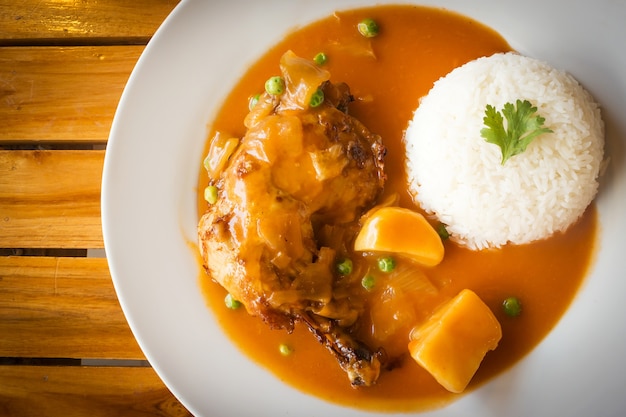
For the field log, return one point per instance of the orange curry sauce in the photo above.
(415, 47)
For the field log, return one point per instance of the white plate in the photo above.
(149, 209)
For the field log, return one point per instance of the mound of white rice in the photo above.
(458, 176)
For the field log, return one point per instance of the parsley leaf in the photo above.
(522, 126)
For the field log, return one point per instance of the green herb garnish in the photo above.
(522, 126)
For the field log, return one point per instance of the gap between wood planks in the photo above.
(52, 146)
(74, 362)
(95, 41)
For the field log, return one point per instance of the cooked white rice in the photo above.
(458, 176)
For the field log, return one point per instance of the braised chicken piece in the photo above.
(289, 196)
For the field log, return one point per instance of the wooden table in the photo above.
(65, 346)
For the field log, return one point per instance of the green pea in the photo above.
(386, 264)
(285, 349)
(442, 231)
(344, 267)
(320, 58)
(231, 302)
(317, 98)
(512, 306)
(253, 101)
(275, 85)
(368, 282)
(210, 194)
(368, 28)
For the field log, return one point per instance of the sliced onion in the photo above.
(302, 78)
(221, 148)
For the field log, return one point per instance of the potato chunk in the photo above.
(452, 343)
(403, 231)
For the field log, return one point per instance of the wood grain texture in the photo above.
(61, 308)
(50, 199)
(35, 391)
(62, 94)
(63, 67)
(110, 21)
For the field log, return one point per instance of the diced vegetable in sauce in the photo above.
(344, 267)
(275, 86)
(512, 306)
(210, 194)
(317, 98)
(231, 302)
(368, 282)
(453, 342)
(285, 349)
(320, 58)
(368, 28)
(253, 101)
(386, 264)
(419, 240)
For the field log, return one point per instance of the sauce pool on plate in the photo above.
(387, 75)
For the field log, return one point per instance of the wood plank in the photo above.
(50, 21)
(61, 308)
(50, 199)
(34, 391)
(62, 93)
